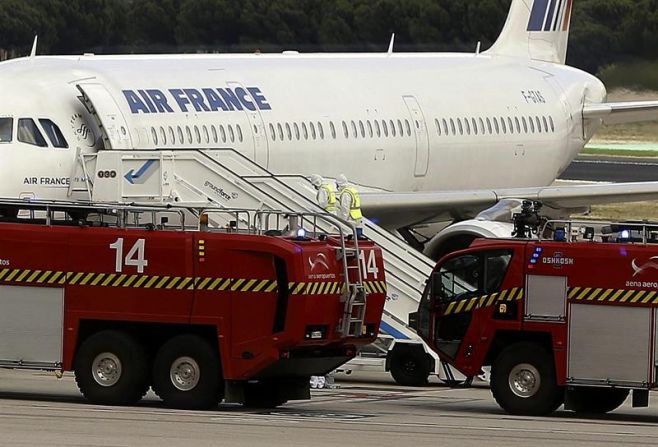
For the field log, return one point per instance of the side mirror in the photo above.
(413, 320)
(436, 285)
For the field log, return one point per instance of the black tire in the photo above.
(187, 374)
(111, 368)
(410, 367)
(523, 381)
(596, 400)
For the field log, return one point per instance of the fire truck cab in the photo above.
(569, 317)
(135, 298)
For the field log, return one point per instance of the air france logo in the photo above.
(196, 100)
(550, 15)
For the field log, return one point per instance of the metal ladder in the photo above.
(354, 297)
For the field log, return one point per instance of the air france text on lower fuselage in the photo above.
(196, 100)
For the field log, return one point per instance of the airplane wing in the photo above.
(622, 112)
(397, 210)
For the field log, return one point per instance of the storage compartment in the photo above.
(545, 297)
(609, 344)
(31, 325)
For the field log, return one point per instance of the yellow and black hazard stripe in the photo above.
(479, 302)
(375, 286)
(625, 296)
(58, 278)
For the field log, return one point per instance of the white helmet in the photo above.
(316, 180)
(341, 181)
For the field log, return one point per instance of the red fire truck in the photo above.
(568, 320)
(129, 300)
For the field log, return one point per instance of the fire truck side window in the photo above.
(460, 277)
(496, 268)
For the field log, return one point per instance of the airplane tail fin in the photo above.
(536, 29)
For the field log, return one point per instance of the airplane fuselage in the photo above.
(398, 122)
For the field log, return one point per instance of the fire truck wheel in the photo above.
(523, 381)
(111, 369)
(596, 400)
(187, 374)
(410, 367)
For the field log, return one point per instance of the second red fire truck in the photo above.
(129, 301)
(568, 320)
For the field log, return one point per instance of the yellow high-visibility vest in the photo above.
(331, 196)
(355, 205)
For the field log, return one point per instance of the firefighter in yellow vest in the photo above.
(349, 204)
(326, 196)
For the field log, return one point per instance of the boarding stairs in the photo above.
(225, 178)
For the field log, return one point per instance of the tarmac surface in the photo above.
(367, 410)
(612, 169)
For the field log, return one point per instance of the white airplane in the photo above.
(432, 136)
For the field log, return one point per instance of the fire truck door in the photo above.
(454, 287)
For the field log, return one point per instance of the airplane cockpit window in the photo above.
(54, 134)
(29, 133)
(6, 129)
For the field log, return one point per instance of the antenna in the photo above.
(34, 47)
(477, 49)
(390, 45)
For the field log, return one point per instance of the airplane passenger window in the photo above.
(406, 122)
(532, 124)
(445, 127)
(231, 134)
(510, 124)
(206, 135)
(452, 126)
(354, 133)
(52, 131)
(288, 132)
(461, 128)
(545, 124)
(489, 126)
(188, 132)
(362, 129)
(197, 134)
(313, 134)
(279, 127)
(180, 135)
(295, 126)
(525, 124)
(154, 134)
(538, 124)
(222, 133)
(163, 135)
(481, 121)
(29, 133)
(6, 129)
(475, 126)
(345, 131)
(320, 130)
(385, 128)
(370, 131)
(503, 125)
(550, 119)
(172, 135)
(438, 126)
(392, 124)
(213, 131)
(400, 129)
(496, 126)
(378, 129)
(468, 126)
(518, 124)
(333, 129)
(305, 130)
(272, 132)
(239, 130)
